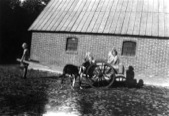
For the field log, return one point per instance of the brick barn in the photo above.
(138, 29)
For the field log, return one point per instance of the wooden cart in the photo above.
(102, 75)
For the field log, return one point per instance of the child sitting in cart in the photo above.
(114, 60)
(87, 62)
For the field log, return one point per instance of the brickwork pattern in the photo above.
(152, 54)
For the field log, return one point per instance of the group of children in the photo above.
(113, 59)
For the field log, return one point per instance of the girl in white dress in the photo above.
(113, 59)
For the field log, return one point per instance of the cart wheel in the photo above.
(100, 75)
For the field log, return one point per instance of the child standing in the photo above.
(25, 57)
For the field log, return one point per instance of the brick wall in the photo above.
(151, 59)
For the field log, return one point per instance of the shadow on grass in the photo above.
(32, 104)
(129, 81)
(23, 96)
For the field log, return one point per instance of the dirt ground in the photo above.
(41, 95)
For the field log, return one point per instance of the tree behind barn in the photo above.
(16, 16)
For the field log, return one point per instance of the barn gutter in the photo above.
(105, 34)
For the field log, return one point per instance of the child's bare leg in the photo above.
(80, 83)
(25, 69)
(73, 83)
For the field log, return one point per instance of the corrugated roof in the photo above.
(129, 17)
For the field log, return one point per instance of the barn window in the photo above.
(71, 44)
(129, 48)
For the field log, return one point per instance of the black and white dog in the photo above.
(71, 71)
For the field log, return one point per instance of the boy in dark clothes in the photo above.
(87, 62)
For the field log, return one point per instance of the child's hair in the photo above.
(114, 51)
(24, 45)
(88, 54)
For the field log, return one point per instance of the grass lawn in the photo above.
(18, 95)
(41, 92)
